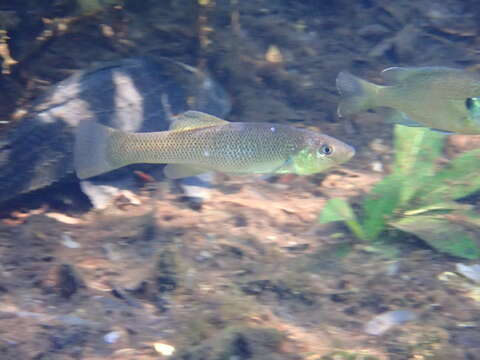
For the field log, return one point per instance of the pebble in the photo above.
(471, 272)
(198, 188)
(383, 322)
(69, 242)
(164, 349)
(111, 337)
(203, 255)
(377, 166)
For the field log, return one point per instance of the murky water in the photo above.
(130, 265)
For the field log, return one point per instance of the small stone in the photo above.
(164, 349)
(383, 322)
(376, 166)
(203, 255)
(471, 272)
(274, 55)
(112, 337)
(69, 242)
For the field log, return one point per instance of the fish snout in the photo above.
(350, 151)
(345, 153)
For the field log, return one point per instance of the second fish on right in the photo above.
(441, 98)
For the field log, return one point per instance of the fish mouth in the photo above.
(348, 152)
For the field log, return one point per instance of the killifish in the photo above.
(440, 98)
(199, 142)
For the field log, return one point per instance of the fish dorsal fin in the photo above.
(194, 120)
(395, 74)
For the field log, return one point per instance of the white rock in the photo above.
(69, 242)
(112, 337)
(164, 349)
(471, 272)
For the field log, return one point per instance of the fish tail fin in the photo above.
(357, 94)
(93, 149)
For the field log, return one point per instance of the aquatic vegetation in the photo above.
(419, 197)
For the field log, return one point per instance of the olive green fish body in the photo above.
(436, 97)
(234, 147)
(199, 142)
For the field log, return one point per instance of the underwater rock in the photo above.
(383, 322)
(135, 94)
(471, 272)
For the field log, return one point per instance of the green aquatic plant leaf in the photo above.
(416, 152)
(446, 233)
(380, 204)
(459, 179)
(337, 209)
(419, 198)
(438, 207)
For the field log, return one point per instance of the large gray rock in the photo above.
(135, 94)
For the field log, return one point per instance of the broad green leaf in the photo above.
(379, 205)
(416, 152)
(459, 179)
(336, 209)
(444, 234)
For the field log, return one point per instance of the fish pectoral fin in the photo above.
(178, 171)
(398, 117)
(285, 168)
(194, 120)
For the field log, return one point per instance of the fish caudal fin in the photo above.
(357, 94)
(92, 154)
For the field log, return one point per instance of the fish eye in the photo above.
(325, 150)
(469, 103)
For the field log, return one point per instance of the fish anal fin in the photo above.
(178, 171)
(194, 120)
